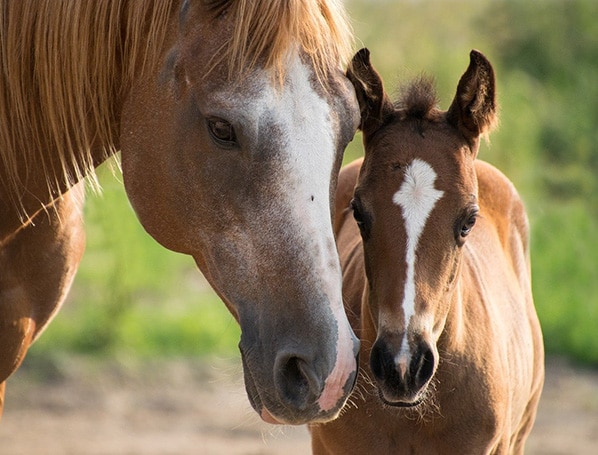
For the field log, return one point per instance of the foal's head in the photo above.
(415, 204)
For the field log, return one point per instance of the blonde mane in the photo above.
(64, 64)
(268, 30)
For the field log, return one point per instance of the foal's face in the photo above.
(416, 204)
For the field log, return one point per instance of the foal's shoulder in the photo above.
(495, 187)
(500, 201)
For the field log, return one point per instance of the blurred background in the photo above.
(143, 356)
(134, 299)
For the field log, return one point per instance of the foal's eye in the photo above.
(468, 226)
(360, 218)
(222, 132)
(357, 213)
(467, 223)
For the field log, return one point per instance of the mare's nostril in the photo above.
(296, 383)
(295, 380)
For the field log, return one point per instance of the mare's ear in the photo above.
(473, 110)
(373, 101)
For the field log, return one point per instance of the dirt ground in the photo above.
(186, 408)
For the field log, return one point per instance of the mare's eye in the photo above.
(222, 132)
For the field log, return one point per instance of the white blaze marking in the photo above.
(305, 123)
(416, 197)
(313, 153)
(311, 135)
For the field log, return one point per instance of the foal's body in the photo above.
(491, 390)
(483, 395)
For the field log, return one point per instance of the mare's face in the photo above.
(416, 203)
(240, 175)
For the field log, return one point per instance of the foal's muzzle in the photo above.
(402, 377)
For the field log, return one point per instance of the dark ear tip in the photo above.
(359, 64)
(477, 57)
(362, 57)
(475, 54)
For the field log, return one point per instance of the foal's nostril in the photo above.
(394, 376)
(296, 383)
(381, 361)
(422, 367)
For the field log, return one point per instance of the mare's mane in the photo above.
(63, 63)
(267, 30)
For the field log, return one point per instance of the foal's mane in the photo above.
(62, 65)
(268, 30)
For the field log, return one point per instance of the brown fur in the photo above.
(65, 66)
(37, 268)
(80, 80)
(484, 332)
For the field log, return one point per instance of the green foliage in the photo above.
(565, 279)
(553, 45)
(133, 296)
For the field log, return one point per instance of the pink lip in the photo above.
(269, 418)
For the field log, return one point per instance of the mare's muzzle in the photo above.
(300, 381)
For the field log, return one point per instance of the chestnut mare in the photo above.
(232, 117)
(450, 337)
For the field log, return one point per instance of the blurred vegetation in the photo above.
(545, 54)
(131, 296)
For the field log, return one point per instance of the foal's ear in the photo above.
(473, 110)
(373, 101)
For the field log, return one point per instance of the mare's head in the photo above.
(416, 203)
(230, 154)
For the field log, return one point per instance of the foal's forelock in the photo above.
(417, 197)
